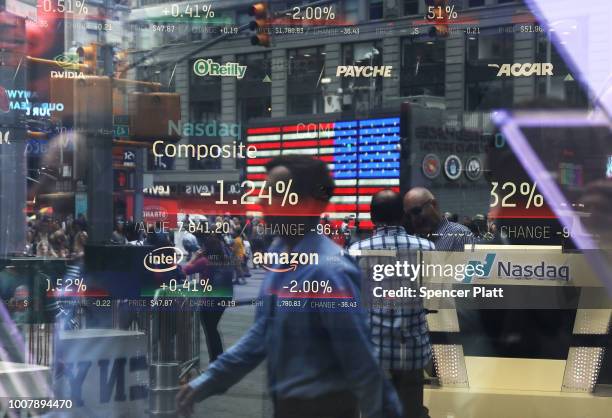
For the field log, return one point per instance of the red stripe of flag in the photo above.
(272, 130)
(341, 207)
(300, 144)
(372, 190)
(258, 161)
(366, 224)
(295, 128)
(265, 145)
(346, 190)
(256, 176)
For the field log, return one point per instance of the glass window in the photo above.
(362, 94)
(351, 11)
(562, 85)
(205, 107)
(258, 67)
(254, 107)
(423, 66)
(172, 33)
(205, 112)
(480, 108)
(203, 88)
(484, 90)
(253, 93)
(411, 7)
(376, 9)
(304, 70)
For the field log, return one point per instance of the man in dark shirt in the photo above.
(427, 221)
(320, 361)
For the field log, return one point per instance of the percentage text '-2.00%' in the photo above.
(309, 286)
(313, 13)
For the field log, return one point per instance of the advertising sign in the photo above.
(104, 373)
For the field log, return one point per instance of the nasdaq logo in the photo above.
(510, 269)
(486, 267)
(523, 70)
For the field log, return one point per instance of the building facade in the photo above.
(295, 79)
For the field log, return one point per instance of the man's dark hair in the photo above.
(387, 208)
(310, 177)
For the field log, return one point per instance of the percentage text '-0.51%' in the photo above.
(65, 6)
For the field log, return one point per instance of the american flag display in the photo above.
(363, 155)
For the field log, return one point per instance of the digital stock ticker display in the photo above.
(306, 209)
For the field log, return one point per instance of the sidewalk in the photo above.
(248, 398)
(245, 294)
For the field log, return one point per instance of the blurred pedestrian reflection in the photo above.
(320, 361)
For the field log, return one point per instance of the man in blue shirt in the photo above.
(320, 361)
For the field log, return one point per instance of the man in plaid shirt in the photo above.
(400, 334)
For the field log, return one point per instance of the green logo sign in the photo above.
(204, 67)
(68, 61)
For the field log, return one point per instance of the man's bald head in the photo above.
(386, 208)
(417, 196)
(421, 207)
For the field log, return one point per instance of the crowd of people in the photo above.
(49, 237)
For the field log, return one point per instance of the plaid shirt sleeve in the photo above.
(400, 335)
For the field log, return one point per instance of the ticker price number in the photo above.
(204, 227)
